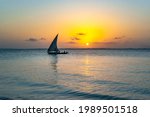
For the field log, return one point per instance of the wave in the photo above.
(5, 98)
(92, 96)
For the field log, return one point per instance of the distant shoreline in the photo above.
(77, 48)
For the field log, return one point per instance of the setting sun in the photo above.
(80, 24)
(87, 44)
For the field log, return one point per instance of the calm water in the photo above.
(82, 74)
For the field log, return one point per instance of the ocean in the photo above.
(83, 74)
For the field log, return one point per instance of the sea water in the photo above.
(100, 74)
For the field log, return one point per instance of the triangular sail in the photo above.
(53, 46)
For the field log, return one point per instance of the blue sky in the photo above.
(24, 19)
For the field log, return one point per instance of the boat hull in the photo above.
(57, 53)
(53, 48)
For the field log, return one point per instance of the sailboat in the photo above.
(53, 47)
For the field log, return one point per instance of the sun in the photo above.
(87, 44)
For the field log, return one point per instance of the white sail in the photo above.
(53, 46)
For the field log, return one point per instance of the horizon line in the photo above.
(77, 48)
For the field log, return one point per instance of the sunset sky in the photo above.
(80, 23)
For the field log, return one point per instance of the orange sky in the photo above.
(101, 24)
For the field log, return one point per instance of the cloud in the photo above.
(106, 43)
(81, 34)
(42, 38)
(121, 37)
(35, 39)
(32, 39)
(71, 42)
(76, 38)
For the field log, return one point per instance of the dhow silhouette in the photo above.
(53, 47)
